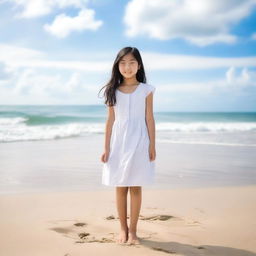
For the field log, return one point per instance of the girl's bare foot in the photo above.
(123, 236)
(133, 239)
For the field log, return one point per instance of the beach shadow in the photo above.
(184, 249)
(81, 233)
(191, 250)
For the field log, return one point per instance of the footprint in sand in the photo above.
(193, 223)
(80, 224)
(110, 217)
(162, 250)
(81, 231)
(164, 217)
(141, 217)
(157, 217)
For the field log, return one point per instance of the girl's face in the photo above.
(128, 66)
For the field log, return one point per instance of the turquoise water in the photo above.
(31, 158)
(33, 123)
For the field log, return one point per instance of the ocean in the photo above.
(36, 123)
(58, 148)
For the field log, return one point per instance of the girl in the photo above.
(129, 137)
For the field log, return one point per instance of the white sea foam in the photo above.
(23, 132)
(16, 129)
(206, 126)
(205, 143)
(12, 120)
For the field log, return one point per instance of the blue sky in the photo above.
(199, 54)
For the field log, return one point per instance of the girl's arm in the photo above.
(150, 125)
(108, 127)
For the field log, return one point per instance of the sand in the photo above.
(52, 201)
(199, 221)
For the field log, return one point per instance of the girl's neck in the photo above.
(130, 81)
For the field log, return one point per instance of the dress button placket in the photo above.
(129, 107)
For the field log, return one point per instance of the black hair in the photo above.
(117, 78)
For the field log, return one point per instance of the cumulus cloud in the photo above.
(63, 25)
(33, 86)
(200, 22)
(5, 72)
(233, 80)
(10, 53)
(245, 78)
(41, 85)
(15, 57)
(36, 8)
(160, 61)
(30, 81)
(19, 57)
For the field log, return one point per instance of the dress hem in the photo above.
(130, 185)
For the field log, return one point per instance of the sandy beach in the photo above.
(52, 201)
(209, 221)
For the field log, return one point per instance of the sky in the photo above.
(199, 54)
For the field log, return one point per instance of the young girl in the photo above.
(129, 137)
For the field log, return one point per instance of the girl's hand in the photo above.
(104, 157)
(152, 153)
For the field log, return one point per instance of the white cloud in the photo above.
(63, 25)
(253, 36)
(10, 53)
(201, 22)
(159, 61)
(30, 81)
(36, 8)
(5, 72)
(17, 57)
(33, 86)
(36, 86)
(231, 81)
(230, 75)
(199, 87)
(74, 83)
(246, 77)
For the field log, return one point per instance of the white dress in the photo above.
(128, 163)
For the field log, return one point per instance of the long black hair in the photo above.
(117, 78)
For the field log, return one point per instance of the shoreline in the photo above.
(74, 165)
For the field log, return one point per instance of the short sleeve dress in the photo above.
(129, 163)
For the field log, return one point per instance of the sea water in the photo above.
(34, 123)
(58, 148)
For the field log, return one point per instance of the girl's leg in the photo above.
(121, 202)
(135, 193)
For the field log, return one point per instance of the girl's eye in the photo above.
(132, 62)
